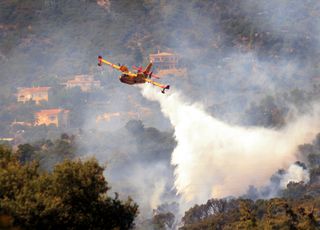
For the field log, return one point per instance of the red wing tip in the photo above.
(99, 60)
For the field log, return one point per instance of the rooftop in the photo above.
(47, 112)
(162, 54)
(82, 79)
(33, 89)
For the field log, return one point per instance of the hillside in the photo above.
(43, 38)
(252, 76)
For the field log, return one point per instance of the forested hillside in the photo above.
(43, 38)
(250, 65)
(46, 42)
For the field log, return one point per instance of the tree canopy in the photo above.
(73, 196)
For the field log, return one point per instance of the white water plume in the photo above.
(215, 159)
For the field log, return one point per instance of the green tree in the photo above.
(72, 196)
(247, 214)
(163, 221)
(26, 152)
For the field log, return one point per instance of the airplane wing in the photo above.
(122, 68)
(163, 87)
(137, 68)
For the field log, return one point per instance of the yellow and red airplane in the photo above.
(140, 77)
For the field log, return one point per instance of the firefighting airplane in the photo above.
(140, 77)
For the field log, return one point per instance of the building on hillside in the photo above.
(85, 82)
(6, 139)
(56, 117)
(36, 94)
(166, 63)
(21, 123)
(6, 27)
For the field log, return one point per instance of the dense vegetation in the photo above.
(42, 184)
(276, 213)
(71, 196)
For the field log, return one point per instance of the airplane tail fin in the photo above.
(164, 89)
(148, 68)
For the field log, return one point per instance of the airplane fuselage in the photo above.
(130, 78)
(139, 79)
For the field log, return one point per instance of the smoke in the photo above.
(138, 162)
(146, 184)
(212, 158)
(278, 182)
(295, 173)
(291, 18)
(215, 159)
(159, 188)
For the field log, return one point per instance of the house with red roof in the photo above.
(56, 117)
(36, 94)
(85, 82)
